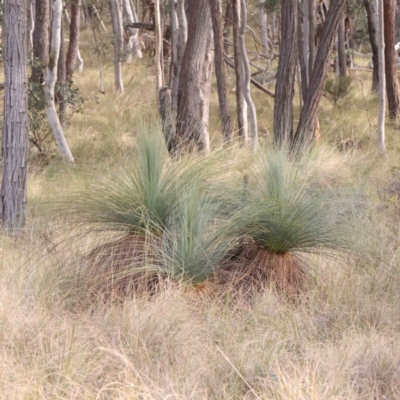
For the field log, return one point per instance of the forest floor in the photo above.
(340, 340)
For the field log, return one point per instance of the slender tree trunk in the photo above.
(392, 82)
(305, 129)
(306, 40)
(51, 75)
(241, 108)
(174, 45)
(227, 26)
(190, 98)
(216, 16)
(397, 23)
(40, 41)
(301, 38)
(253, 128)
(61, 78)
(159, 48)
(374, 45)
(382, 78)
(311, 39)
(205, 88)
(262, 15)
(118, 44)
(182, 39)
(14, 141)
(342, 49)
(284, 89)
(131, 37)
(73, 46)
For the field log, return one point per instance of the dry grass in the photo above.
(339, 341)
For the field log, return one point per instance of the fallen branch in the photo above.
(253, 81)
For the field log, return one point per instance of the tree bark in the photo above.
(241, 109)
(253, 128)
(342, 49)
(227, 26)
(216, 16)
(392, 83)
(305, 41)
(311, 39)
(284, 89)
(262, 15)
(382, 79)
(14, 141)
(158, 58)
(73, 46)
(374, 44)
(305, 129)
(40, 41)
(190, 98)
(118, 44)
(131, 37)
(182, 39)
(61, 78)
(51, 75)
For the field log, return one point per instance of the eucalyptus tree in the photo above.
(284, 89)
(15, 116)
(382, 78)
(392, 82)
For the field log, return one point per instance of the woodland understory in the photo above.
(239, 255)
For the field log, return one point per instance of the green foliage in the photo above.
(196, 239)
(338, 88)
(287, 209)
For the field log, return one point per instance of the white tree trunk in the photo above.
(118, 44)
(159, 48)
(253, 129)
(50, 81)
(182, 39)
(131, 42)
(382, 79)
(263, 26)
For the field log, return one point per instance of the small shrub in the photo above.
(338, 88)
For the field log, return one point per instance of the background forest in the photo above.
(200, 199)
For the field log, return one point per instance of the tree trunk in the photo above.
(308, 114)
(241, 109)
(205, 88)
(40, 41)
(73, 46)
(284, 89)
(190, 98)
(173, 70)
(216, 16)
(397, 23)
(253, 128)
(131, 36)
(372, 37)
(182, 39)
(262, 15)
(61, 78)
(311, 39)
(118, 44)
(342, 49)
(306, 41)
(14, 141)
(382, 78)
(392, 83)
(227, 26)
(51, 75)
(158, 58)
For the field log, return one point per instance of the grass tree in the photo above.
(287, 213)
